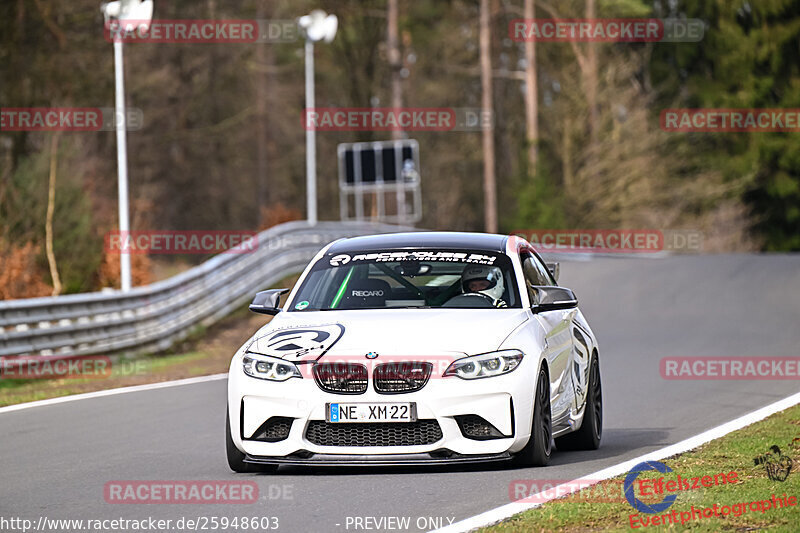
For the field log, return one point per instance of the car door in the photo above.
(578, 366)
(557, 326)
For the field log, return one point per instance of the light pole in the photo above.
(131, 15)
(316, 26)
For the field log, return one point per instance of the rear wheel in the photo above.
(591, 430)
(540, 446)
(236, 457)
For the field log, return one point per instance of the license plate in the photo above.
(371, 412)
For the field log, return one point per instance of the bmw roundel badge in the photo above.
(372, 355)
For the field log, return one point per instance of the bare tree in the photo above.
(489, 180)
(531, 92)
(590, 72)
(395, 61)
(51, 205)
(588, 64)
(264, 58)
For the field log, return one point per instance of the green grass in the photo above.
(147, 368)
(734, 452)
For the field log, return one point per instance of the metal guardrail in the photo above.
(153, 317)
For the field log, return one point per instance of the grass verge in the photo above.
(604, 507)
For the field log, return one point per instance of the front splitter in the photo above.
(407, 459)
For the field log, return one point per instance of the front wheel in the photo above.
(588, 436)
(540, 445)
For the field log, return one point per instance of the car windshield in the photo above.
(409, 278)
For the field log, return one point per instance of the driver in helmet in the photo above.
(485, 280)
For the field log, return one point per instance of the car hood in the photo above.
(315, 334)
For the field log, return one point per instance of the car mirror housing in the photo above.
(555, 270)
(553, 298)
(266, 302)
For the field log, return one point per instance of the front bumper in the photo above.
(503, 401)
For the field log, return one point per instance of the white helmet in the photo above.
(491, 274)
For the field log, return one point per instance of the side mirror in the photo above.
(266, 302)
(553, 298)
(555, 270)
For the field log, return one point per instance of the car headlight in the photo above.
(485, 365)
(271, 368)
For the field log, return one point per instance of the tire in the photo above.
(236, 458)
(540, 445)
(591, 430)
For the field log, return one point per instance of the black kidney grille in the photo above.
(417, 433)
(394, 378)
(341, 378)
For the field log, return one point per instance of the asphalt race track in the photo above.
(57, 459)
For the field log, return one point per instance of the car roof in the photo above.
(486, 242)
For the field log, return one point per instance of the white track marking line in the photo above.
(498, 514)
(113, 392)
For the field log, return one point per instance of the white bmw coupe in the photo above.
(416, 348)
